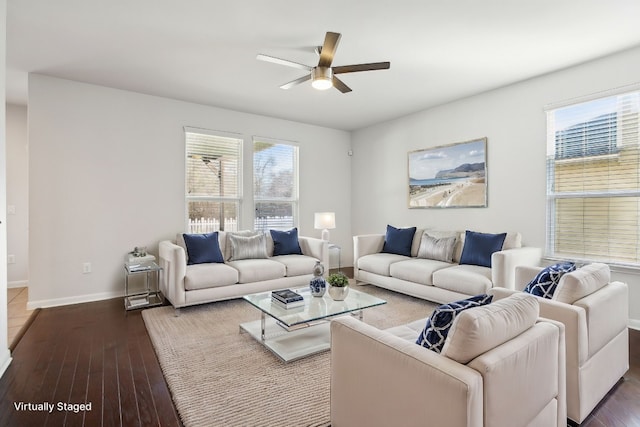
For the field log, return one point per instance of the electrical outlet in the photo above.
(11, 209)
(86, 268)
(11, 259)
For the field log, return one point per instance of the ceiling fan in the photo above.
(323, 75)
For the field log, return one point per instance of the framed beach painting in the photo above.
(449, 176)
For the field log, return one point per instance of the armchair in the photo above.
(383, 378)
(594, 311)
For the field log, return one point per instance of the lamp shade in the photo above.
(324, 220)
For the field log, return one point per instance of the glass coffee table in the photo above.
(293, 333)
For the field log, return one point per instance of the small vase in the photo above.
(318, 285)
(338, 293)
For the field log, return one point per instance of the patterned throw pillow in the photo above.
(439, 323)
(546, 282)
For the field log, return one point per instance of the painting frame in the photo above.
(449, 176)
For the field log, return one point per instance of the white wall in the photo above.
(5, 355)
(106, 174)
(513, 120)
(17, 195)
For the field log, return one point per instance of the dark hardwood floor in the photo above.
(87, 353)
(95, 353)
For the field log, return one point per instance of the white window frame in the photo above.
(237, 198)
(295, 197)
(553, 196)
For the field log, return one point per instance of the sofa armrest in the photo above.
(500, 293)
(528, 358)
(316, 248)
(174, 268)
(415, 381)
(607, 314)
(366, 244)
(504, 263)
(524, 275)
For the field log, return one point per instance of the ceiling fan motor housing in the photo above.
(322, 77)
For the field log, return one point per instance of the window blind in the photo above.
(593, 180)
(212, 181)
(275, 184)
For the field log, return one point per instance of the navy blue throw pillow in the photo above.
(478, 247)
(285, 242)
(546, 282)
(398, 240)
(203, 248)
(439, 323)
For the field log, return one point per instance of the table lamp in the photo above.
(324, 221)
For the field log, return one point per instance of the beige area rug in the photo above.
(221, 377)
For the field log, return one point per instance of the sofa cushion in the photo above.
(465, 279)
(379, 263)
(437, 327)
(478, 247)
(398, 240)
(212, 275)
(247, 247)
(285, 242)
(296, 265)
(415, 244)
(203, 248)
(476, 331)
(408, 331)
(512, 241)
(546, 281)
(254, 270)
(416, 270)
(436, 249)
(582, 282)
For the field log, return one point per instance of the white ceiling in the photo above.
(204, 51)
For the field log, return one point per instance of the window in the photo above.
(275, 184)
(213, 171)
(593, 180)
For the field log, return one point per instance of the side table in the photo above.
(333, 246)
(148, 296)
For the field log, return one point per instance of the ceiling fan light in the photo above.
(322, 78)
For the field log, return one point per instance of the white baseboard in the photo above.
(5, 360)
(634, 324)
(17, 284)
(32, 305)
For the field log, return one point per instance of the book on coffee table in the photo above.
(286, 296)
(289, 305)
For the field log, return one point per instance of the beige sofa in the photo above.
(435, 280)
(501, 366)
(595, 313)
(184, 285)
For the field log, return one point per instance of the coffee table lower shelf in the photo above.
(294, 344)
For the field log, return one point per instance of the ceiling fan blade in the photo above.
(288, 63)
(339, 84)
(329, 47)
(296, 82)
(361, 67)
